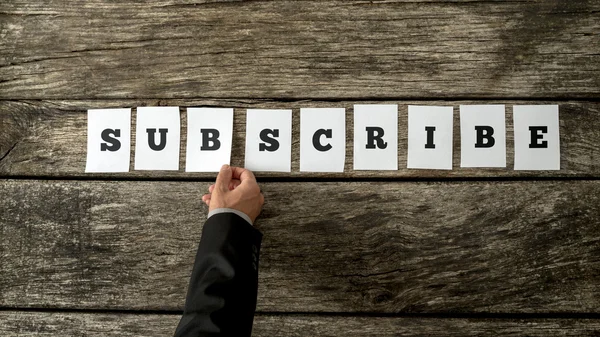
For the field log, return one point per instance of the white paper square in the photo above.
(277, 121)
(490, 122)
(527, 158)
(156, 118)
(440, 118)
(112, 155)
(208, 158)
(331, 138)
(384, 117)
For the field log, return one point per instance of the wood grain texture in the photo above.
(23, 324)
(49, 138)
(523, 247)
(299, 49)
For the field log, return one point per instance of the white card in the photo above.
(483, 136)
(537, 139)
(269, 140)
(430, 137)
(322, 139)
(157, 138)
(376, 137)
(209, 139)
(109, 140)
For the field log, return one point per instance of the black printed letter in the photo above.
(430, 130)
(208, 136)
(374, 135)
(535, 135)
(152, 140)
(322, 132)
(484, 136)
(115, 143)
(273, 143)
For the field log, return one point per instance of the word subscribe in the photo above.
(323, 138)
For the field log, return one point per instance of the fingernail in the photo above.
(225, 167)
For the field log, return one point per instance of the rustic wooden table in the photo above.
(468, 252)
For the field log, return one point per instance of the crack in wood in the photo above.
(8, 152)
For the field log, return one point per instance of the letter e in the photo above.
(535, 136)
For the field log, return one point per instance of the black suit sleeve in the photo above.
(221, 298)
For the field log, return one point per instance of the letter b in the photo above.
(210, 136)
(484, 136)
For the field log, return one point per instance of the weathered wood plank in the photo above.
(299, 49)
(22, 324)
(48, 138)
(524, 247)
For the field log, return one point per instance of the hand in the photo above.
(235, 188)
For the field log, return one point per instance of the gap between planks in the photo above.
(431, 315)
(299, 179)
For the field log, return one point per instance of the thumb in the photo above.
(224, 178)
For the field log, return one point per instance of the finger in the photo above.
(234, 183)
(206, 197)
(247, 188)
(211, 188)
(224, 178)
(243, 174)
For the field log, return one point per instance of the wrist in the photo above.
(241, 214)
